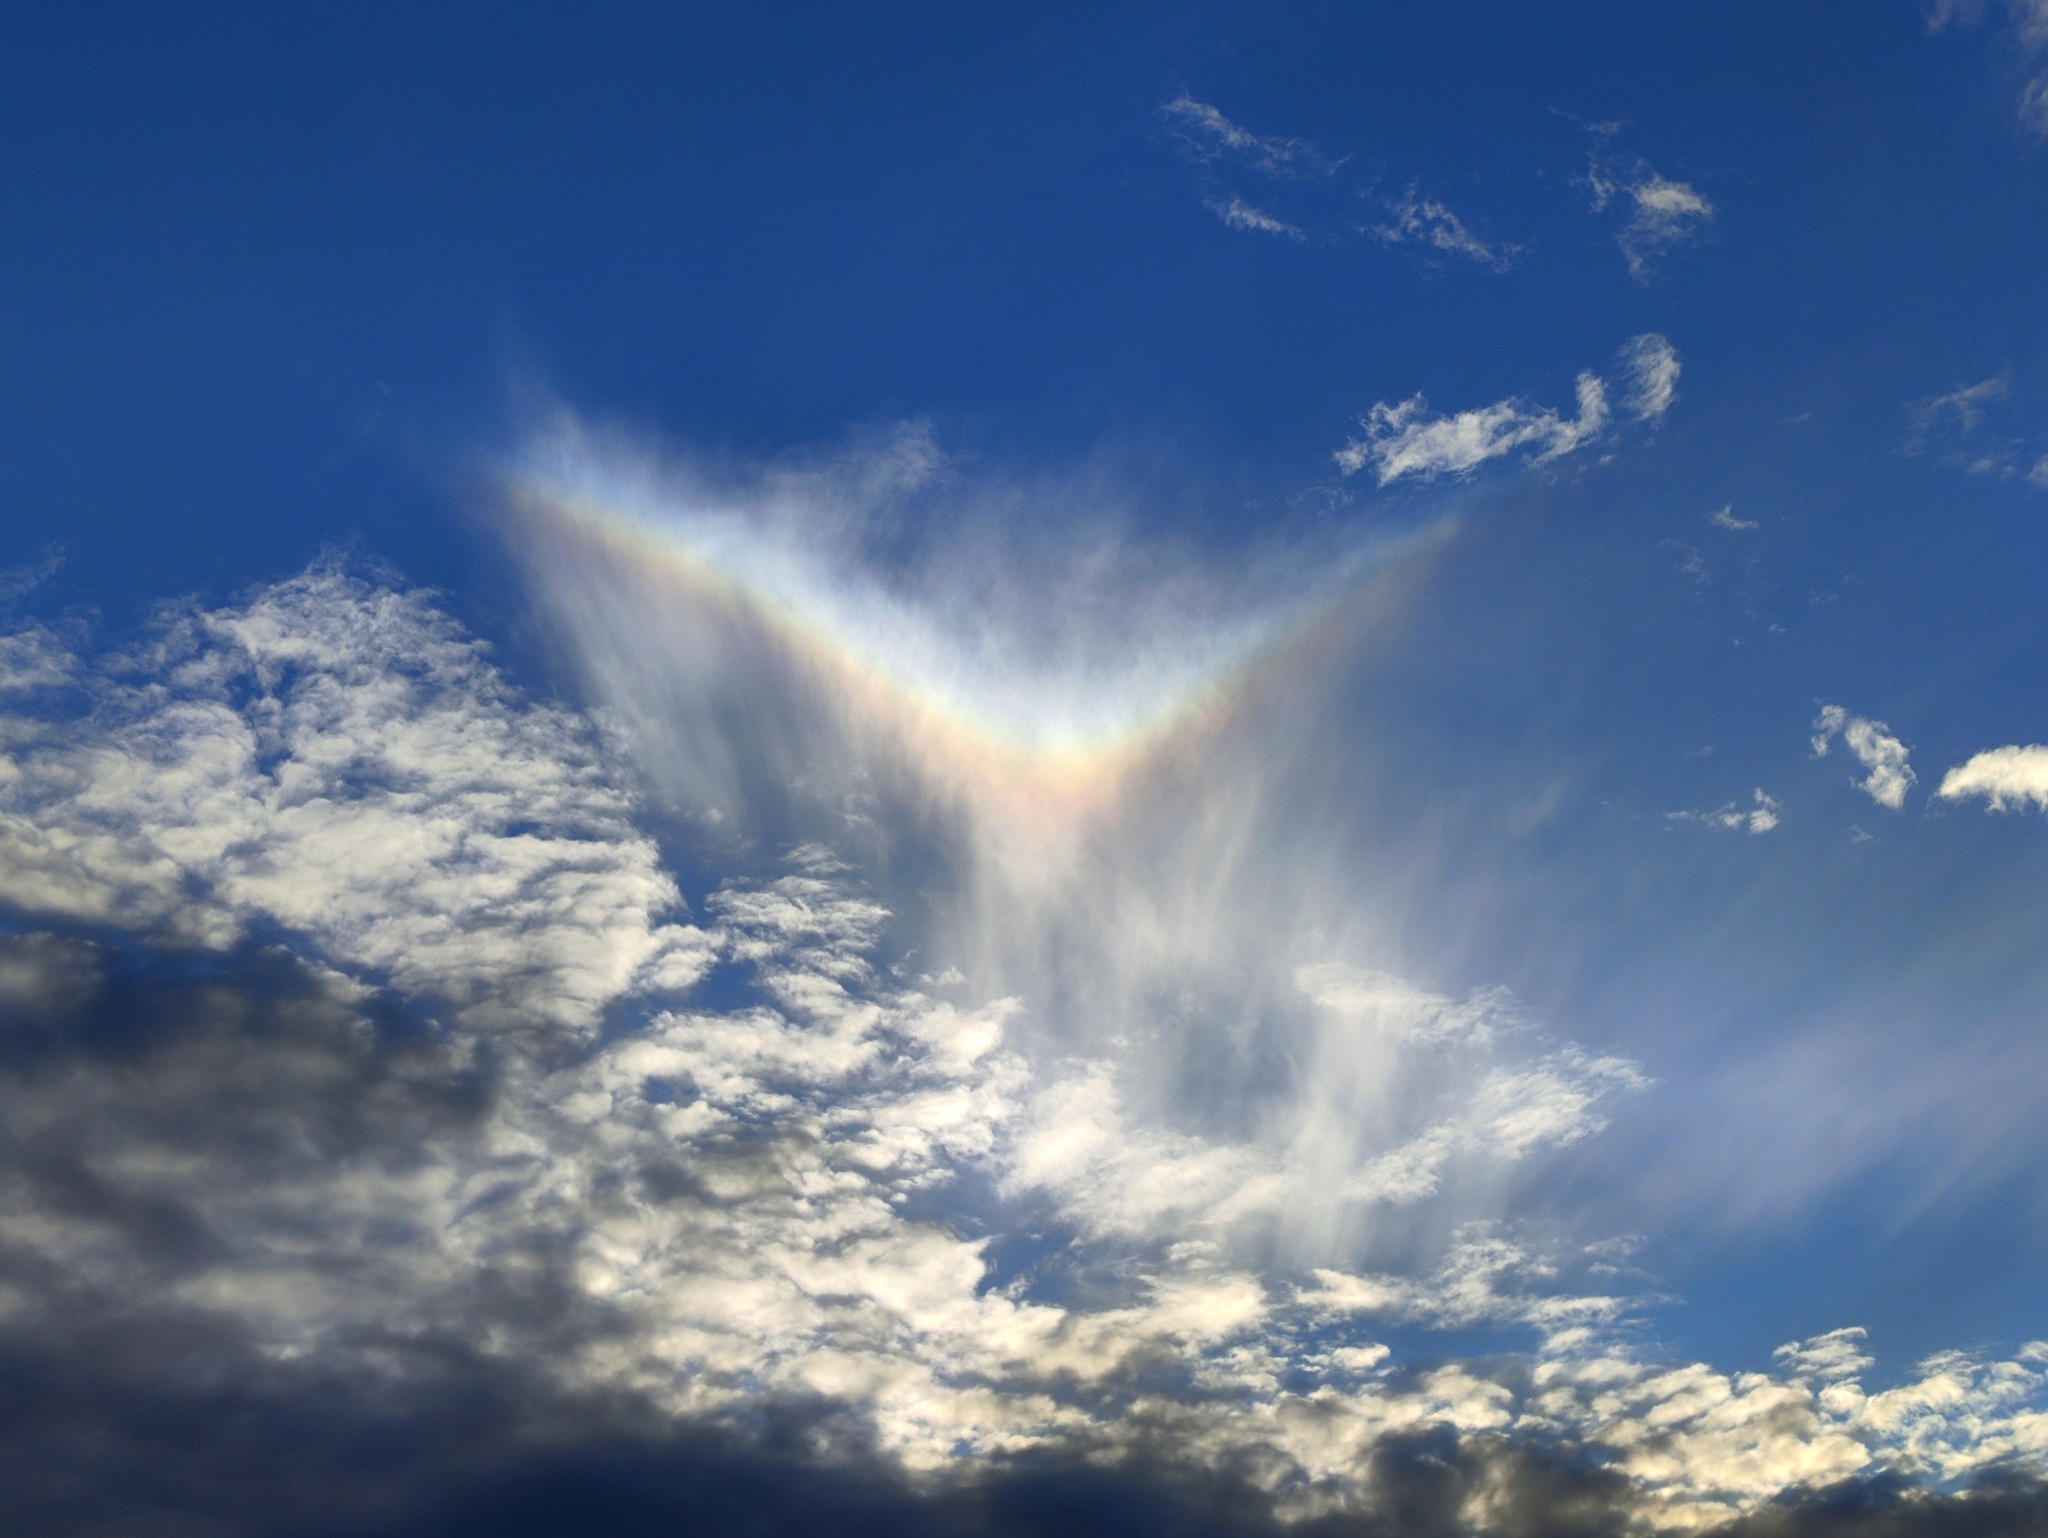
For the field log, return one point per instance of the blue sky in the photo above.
(1380, 643)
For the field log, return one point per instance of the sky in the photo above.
(1204, 770)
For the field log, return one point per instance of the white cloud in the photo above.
(1875, 748)
(1950, 427)
(17, 580)
(1431, 223)
(1961, 409)
(1666, 214)
(1650, 364)
(1662, 214)
(2027, 32)
(2004, 777)
(1724, 518)
(787, 1196)
(34, 659)
(1760, 817)
(342, 760)
(1240, 215)
(1208, 135)
(1485, 1278)
(1837, 1354)
(1402, 440)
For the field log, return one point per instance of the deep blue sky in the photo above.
(272, 278)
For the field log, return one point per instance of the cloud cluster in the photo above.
(1402, 440)
(343, 761)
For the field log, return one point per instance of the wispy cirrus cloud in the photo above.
(1662, 214)
(1425, 223)
(1884, 755)
(1207, 135)
(1402, 440)
(1968, 428)
(1240, 215)
(1429, 222)
(2026, 35)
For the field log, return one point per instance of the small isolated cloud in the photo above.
(1425, 221)
(2007, 778)
(1691, 562)
(1208, 136)
(2026, 36)
(1240, 215)
(1760, 817)
(1667, 214)
(1403, 440)
(1724, 517)
(1662, 214)
(1650, 364)
(1875, 748)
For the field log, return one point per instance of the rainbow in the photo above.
(1061, 748)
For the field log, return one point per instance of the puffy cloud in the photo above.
(1724, 518)
(2005, 777)
(1875, 748)
(342, 760)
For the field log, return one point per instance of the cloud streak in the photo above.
(1428, 222)
(1208, 135)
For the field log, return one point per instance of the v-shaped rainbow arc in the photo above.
(877, 668)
